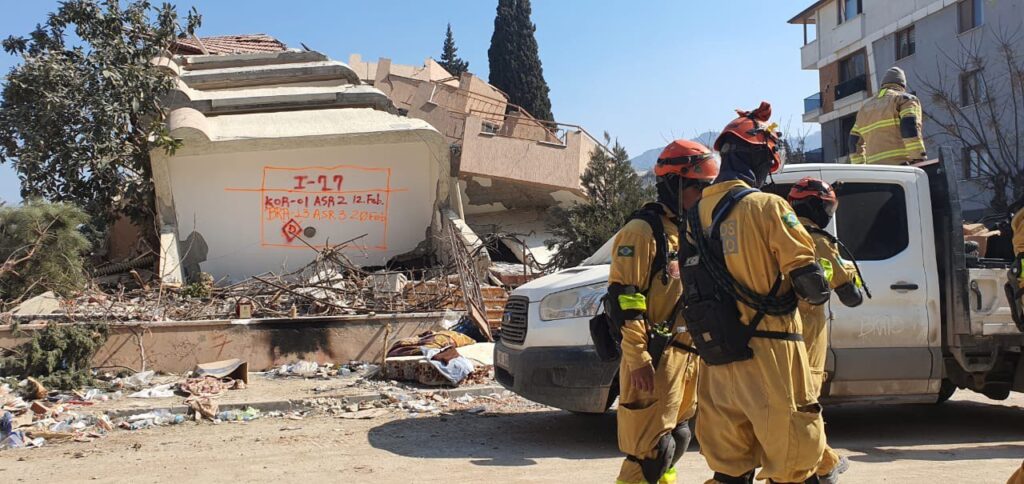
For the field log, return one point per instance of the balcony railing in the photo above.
(812, 102)
(851, 86)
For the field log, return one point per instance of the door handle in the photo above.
(903, 286)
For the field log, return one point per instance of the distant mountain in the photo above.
(646, 160)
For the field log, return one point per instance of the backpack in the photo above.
(605, 331)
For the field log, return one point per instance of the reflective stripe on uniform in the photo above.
(914, 145)
(856, 158)
(897, 153)
(826, 266)
(885, 123)
(911, 111)
(633, 301)
(670, 477)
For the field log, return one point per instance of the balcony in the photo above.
(851, 86)
(809, 55)
(812, 108)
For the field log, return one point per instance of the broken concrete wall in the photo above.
(176, 347)
(261, 188)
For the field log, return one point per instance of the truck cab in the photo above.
(938, 319)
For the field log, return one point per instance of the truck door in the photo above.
(883, 346)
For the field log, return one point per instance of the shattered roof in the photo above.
(229, 44)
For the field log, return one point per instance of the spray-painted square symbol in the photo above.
(291, 230)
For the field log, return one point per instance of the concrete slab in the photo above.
(177, 346)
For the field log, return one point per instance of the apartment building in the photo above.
(851, 43)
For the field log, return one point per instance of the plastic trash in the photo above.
(139, 380)
(450, 318)
(160, 391)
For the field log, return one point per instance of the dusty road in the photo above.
(968, 439)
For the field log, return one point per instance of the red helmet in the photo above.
(688, 159)
(809, 188)
(752, 127)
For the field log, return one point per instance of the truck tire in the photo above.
(945, 391)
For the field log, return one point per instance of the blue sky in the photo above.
(645, 71)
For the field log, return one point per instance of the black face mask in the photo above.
(814, 210)
(752, 165)
(669, 189)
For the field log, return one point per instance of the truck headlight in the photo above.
(578, 302)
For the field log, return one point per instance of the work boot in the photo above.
(833, 477)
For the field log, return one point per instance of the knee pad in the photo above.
(652, 469)
(681, 435)
(747, 478)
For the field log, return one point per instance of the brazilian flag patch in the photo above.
(625, 251)
(790, 219)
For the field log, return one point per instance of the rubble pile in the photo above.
(329, 285)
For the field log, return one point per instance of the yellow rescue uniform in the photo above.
(839, 272)
(877, 129)
(763, 411)
(643, 418)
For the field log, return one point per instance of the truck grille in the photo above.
(513, 321)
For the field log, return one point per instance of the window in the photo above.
(845, 126)
(905, 43)
(852, 67)
(970, 88)
(872, 220)
(968, 15)
(849, 9)
(975, 160)
(852, 75)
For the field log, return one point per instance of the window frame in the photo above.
(910, 35)
(841, 9)
(977, 159)
(967, 97)
(977, 15)
(844, 143)
(882, 228)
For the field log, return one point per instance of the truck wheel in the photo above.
(945, 390)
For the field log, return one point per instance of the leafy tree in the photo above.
(41, 249)
(514, 60)
(449, 56)
(614, 191)
(79, 116)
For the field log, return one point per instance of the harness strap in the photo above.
(676, 344)
(778, 335)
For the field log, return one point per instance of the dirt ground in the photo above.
(968, 439)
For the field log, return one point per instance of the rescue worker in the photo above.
(757, 394)
(888, 126)
(657, 381)
(1015, 277)
(815, 203)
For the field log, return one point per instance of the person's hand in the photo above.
(643, 378)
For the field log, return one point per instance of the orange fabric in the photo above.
(752, 127)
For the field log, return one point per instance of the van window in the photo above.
(872, 220)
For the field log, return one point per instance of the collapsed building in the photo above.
(286, 150)
(511, 167)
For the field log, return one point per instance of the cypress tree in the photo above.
(449, 58)
(514, 61)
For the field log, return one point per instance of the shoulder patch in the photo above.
(625, 251)
(789, 218)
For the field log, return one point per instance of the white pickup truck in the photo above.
(938, 320)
